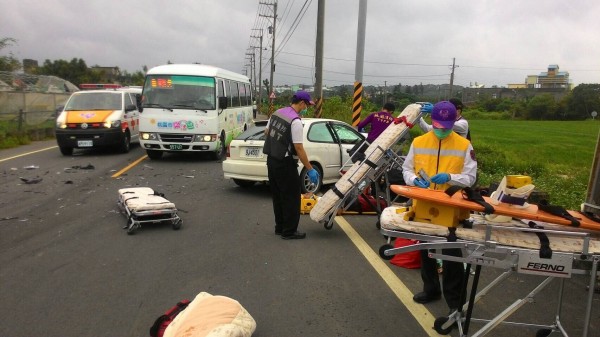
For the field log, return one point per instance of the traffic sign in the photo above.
(272, 95)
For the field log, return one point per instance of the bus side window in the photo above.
(221, 98)
(229, 97)
(242, 94)
(248, 95)
(234, 94)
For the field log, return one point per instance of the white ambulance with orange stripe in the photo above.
(99, 118)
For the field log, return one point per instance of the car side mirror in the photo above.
(222, 102)
(130, 107)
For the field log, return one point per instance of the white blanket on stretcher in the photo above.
(138, 199)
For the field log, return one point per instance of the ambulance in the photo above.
(99, 118)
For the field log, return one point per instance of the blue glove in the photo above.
(427, 108)
(421, 182)
(441, 178)
(313, 175)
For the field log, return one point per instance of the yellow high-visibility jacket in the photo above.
(453, 154)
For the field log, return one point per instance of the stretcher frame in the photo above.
(388, 160)
(491, 254)
(136, 218)
(354, 178)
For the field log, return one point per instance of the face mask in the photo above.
(442, 133)
(303, 112)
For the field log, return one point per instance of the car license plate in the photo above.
(85, 143)
(254, 152)
(175, 147)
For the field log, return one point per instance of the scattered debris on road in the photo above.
(31, 180)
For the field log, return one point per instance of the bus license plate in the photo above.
(254, 152)
(175, 147)
(85, 143)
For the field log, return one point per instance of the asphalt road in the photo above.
(67, 268)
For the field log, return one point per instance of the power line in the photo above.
(294, 25)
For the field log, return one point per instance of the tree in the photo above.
(542, 107)
(8, 63)
(127, 79)
(584, 99)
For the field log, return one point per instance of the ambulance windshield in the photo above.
(95, 101)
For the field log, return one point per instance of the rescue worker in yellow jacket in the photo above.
(448, 159)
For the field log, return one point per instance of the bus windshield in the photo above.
(179, 92)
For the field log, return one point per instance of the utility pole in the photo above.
(452, 76)
(260, 58)
(250, 57)
(253, 66)
(360, 55)
(272, 31)
(319, 59)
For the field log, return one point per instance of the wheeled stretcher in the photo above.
(546, 250)
(378, 159)
(143, 205)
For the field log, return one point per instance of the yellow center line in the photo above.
(28, 153)
(126, 168)
(419, 312)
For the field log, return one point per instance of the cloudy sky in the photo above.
(494, 42)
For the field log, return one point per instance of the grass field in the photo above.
(557, 155)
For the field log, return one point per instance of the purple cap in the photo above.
(443, 115)
(304, 96)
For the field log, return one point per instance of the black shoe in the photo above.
(294, 236)
(424, 297)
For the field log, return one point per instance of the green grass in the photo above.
(557, 155)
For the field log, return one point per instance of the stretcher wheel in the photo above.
(177, 224)
(382, 250)
(131, 226)
(543, 332)
(328, 223)
(438, 325)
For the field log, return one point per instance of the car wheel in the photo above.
(221, 150)
(125, 143)
(66, 151)
(154, 155)
(306, 186)
(244, 183)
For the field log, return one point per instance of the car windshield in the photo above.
(253, 133)
(346, 134)
(179, 92)
(95, 101)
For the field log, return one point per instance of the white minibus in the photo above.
(193, 108)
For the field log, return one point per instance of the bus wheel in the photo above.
(153, 154)
(221, 150)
